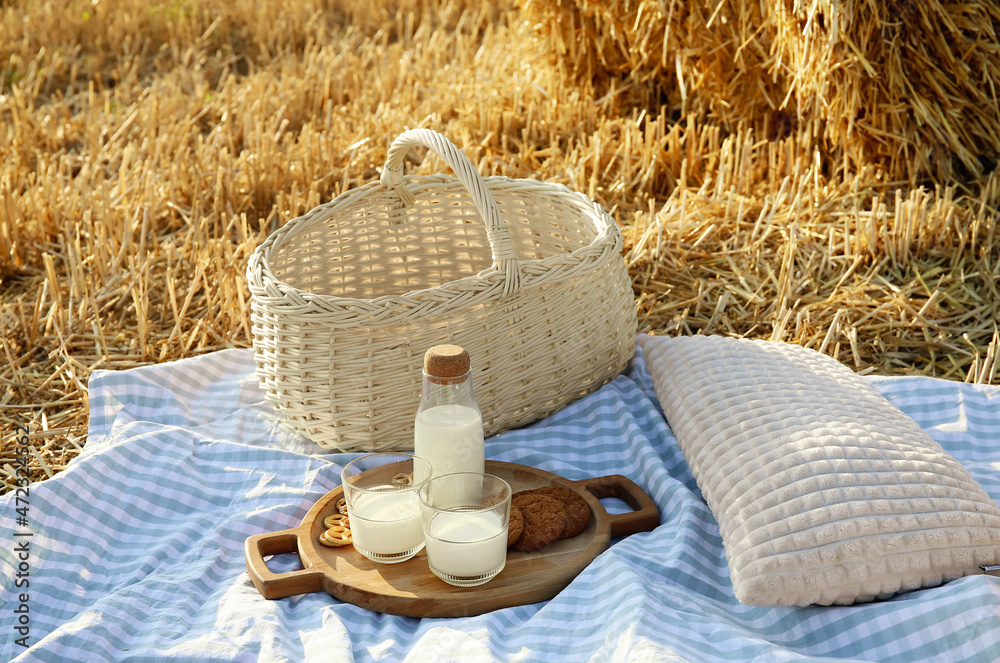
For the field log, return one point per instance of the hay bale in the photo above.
(910, 85)
(907, 86)
(705, 59)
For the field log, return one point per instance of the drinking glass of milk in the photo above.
(381, 494)
(448, 428)
(465, 517)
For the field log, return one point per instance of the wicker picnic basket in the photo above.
(346, 299)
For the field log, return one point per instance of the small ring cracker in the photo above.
(335, 520)
(336, 537)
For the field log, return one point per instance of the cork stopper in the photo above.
(446, 364)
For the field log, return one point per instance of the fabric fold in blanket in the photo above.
(137, 548)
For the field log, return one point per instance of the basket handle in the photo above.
(504, 256)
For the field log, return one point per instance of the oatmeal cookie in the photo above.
(544, 520)
(577, 510)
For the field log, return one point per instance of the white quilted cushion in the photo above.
(824, 491)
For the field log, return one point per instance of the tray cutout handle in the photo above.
(645, 515)
(278, 585)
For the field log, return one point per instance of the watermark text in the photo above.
(21, 503)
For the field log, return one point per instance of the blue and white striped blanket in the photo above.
(136, 550)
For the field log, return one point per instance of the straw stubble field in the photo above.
(812, 172)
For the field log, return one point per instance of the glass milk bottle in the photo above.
(448, 429)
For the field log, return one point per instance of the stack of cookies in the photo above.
(543, 515)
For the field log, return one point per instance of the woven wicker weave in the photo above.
(347, 299)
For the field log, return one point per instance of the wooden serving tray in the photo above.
(410, 589)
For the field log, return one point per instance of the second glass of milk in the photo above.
(465, 518)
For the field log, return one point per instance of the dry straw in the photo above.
(147, 149)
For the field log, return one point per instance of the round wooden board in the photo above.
(410, 589)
